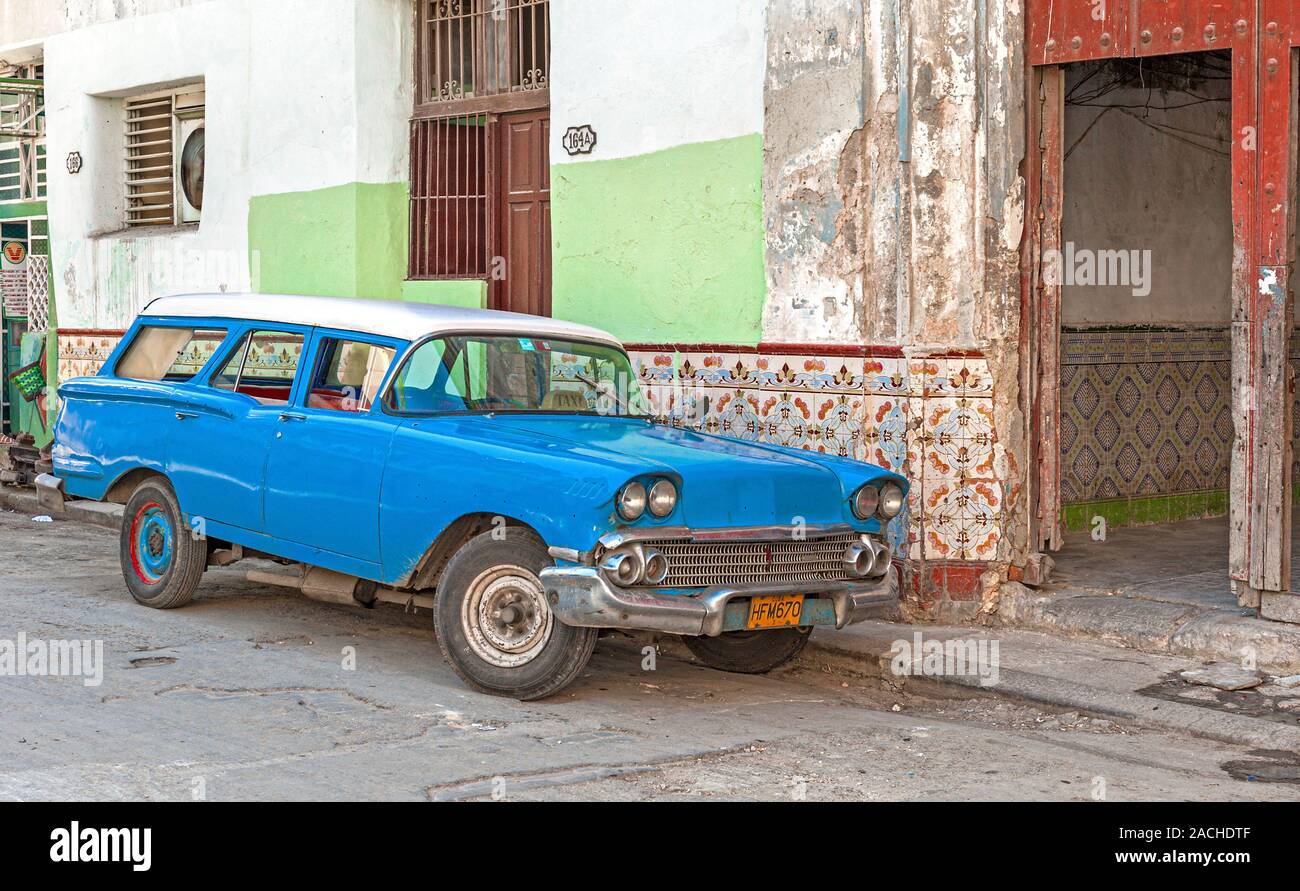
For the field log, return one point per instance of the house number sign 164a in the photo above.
(579, 140)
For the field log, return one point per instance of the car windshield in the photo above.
(474, 373)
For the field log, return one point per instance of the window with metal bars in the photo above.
(449, 197)
(22, 134)
(478, 62)
(161, 163)
(476, 48)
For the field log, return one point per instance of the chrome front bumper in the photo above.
(581, 596)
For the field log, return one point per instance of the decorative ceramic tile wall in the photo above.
(929, 419)
(1144, 413)
(82, 353)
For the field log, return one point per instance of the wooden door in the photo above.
(521, 279)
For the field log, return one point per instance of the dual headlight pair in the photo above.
(634, 500)
(885, 501)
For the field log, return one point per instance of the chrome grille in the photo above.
(705, 564)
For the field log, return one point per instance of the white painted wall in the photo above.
(653, 74)
(301, 94)
(26, 23)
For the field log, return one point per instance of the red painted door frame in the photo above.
(1261, 35)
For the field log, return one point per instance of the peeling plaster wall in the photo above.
(893, 138)
(814, 96)
(27, 22)
(912, 135)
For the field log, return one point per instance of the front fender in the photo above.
(441, 469)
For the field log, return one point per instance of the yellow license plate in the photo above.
(775, 611)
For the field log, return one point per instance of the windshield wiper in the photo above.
(627, 410)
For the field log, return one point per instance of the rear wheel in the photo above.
(495, 626)
(161, 562)
(749, 652)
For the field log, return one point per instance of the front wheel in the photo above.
(494, 624)
(749, 652)
(161, 561)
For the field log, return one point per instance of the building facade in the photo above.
(814, 223)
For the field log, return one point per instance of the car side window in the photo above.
(169, 354)
(348, 374)
(433, 379)
(263, 366)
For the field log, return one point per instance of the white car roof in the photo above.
(387, 318)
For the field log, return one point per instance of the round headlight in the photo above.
(891, 500)
(865, 501)
(631, 501)
(663, 498)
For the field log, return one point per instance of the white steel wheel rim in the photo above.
(505, 617)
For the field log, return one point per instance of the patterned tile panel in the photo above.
(927, 418)
(82, 354)
(1144, 413)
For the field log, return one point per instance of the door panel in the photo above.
(216, 452)
(327, 455)
(220, 432)
(524, 218)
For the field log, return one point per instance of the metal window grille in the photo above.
(22, 134)
(449, 197)
(478, 48)
(150, 185)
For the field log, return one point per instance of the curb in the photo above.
(868, 653)
(24, 501)
(1154, 626)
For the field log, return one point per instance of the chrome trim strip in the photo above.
(620, 537)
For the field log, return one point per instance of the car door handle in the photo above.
(186, 415)
(286, 416)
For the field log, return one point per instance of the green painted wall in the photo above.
(26, 418)
(344, 241)
(663, 247)
(468, 293)
(660, 247)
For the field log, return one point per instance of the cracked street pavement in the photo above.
(243, 695)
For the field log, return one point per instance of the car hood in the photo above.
(723, 481)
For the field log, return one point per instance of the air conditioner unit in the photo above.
(189, 168)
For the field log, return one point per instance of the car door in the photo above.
(326, 460)
(223, 426)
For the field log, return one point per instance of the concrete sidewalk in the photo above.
(1159, 589)
(1083, 676)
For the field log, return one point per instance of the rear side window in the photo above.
(169, 354)
(263, 366)
(348, 375)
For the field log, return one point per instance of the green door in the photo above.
(12, 361)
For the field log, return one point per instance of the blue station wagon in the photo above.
(502, 470)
